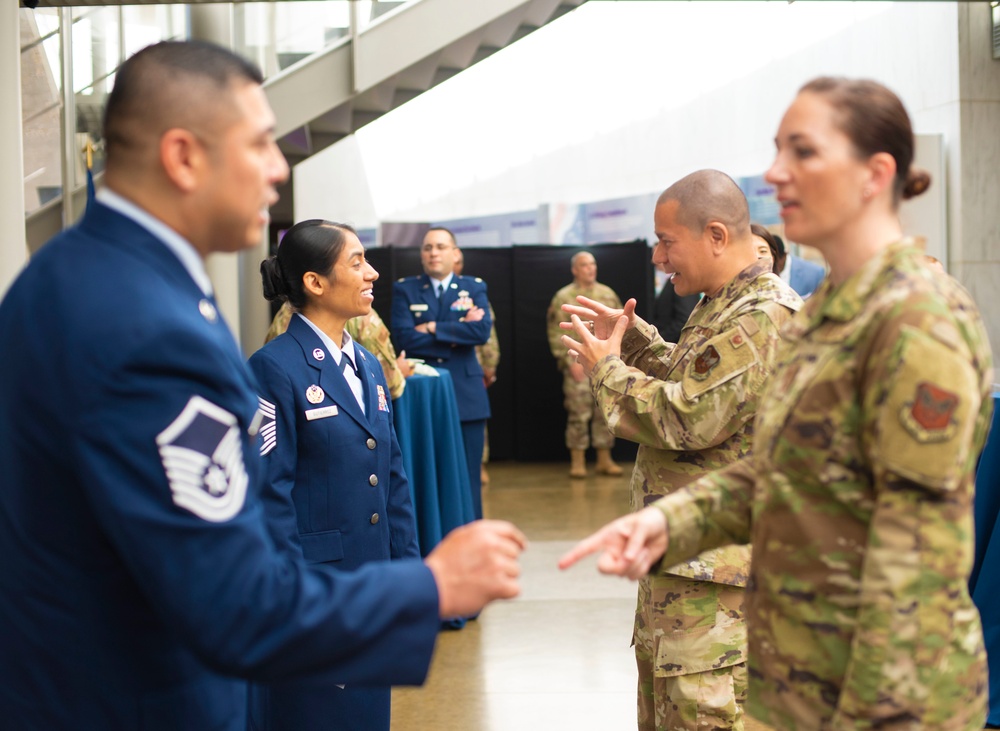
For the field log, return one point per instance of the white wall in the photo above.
(711, 96)
(745, 79)
(334, 185)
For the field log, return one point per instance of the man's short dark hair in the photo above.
(446, 230)
(159, 86)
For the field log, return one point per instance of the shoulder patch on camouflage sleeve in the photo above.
(704, 362)
(723, 358)
(926, 421)
(928, 417)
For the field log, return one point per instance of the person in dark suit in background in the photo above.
(333, 464)
(142, 586)
(671, 312)
(441, 317)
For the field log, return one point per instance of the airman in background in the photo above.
(488, 355)
(585, 426)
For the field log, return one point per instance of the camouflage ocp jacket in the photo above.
(857, 500)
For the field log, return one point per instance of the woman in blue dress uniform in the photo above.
(336, 492)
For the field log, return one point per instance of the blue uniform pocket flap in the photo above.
(322, 547)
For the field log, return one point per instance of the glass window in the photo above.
(41, 106)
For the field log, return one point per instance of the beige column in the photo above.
(235, 277)
(13, 244)
(213, 23)
(973, 214)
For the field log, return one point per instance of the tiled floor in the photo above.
(558, 656)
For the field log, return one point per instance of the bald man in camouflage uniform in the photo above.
(585, 426)
(371, 332)
(691, 407)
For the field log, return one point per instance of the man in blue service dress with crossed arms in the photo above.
(139, 585)
(441, 317)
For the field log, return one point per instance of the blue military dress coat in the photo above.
(339, 497)
(141, 584)
(804, 276)
(453, 346)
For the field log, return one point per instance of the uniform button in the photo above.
(373, 480)
(374, 518)
(370, 443)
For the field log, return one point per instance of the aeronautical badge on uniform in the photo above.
(383, 405)
(202, 456)
(463, 303)
(268, 429)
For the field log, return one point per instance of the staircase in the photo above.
(331, 94)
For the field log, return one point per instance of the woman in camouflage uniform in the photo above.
(858, 496)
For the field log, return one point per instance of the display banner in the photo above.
(764, 208)
(563, 223)
(619, 219)
(505, 229)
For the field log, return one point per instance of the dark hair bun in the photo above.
(273, 280)
(917, 182)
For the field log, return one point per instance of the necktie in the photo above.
(345, 363)
(440, 290)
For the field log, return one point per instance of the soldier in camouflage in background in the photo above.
(371, 332)
(858, 495)
(691, 407)
(584, 424)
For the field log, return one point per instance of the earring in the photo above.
(866, 193)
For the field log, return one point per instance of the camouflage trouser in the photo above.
(583, 416)
(690, 649)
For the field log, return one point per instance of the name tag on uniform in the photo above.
(313, 414)
(418, 308)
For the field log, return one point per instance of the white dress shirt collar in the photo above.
(445, 283)
(338, 352)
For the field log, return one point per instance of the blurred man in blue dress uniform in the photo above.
(441, 317)
(140, 584)
(800, 274)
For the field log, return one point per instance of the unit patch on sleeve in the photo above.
(928, 416)
(202, 456)
(706, 361)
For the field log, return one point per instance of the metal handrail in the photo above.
(41, 39)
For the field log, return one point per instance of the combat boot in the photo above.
(577, 463)
(605, 465)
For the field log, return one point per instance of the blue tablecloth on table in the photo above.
(430, 438)
(984, 583)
